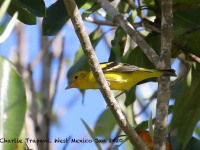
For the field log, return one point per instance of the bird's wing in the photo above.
(121, 67)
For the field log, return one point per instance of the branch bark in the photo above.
(94, 64)
(160, 131)
(128, 28)
(31, 120)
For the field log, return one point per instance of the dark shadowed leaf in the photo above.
(56, 17)
(193, 144)
(23, 14)
(119, 42)
(123, 7)
(37, 7)
(12, 103)
(130, 96)
(187, 108)
(137, 57)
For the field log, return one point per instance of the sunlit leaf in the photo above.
(92, 9)
(12, 103)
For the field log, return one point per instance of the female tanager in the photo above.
(120, 76)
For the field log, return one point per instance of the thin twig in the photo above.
(97, 71)
(197, 28)
(144, 107)
(99, 22)
(115, 138)
(175, 82)
(108, 23)
(186, 51)
(196, 58)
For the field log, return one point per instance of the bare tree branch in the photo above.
(31, 113)
(43, 115)
(94, 64)
(128, 28)
(160, 131)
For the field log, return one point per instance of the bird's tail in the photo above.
(169, 72)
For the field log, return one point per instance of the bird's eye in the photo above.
(75, 77)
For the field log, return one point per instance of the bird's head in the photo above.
(77, 80)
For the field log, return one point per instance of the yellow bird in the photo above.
(120, 76)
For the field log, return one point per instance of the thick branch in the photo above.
(128, 28)
(164, 82)
(93, 62)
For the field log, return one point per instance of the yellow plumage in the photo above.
(120, 76)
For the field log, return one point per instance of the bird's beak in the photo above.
(71, 85)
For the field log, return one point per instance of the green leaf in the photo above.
(186, 24)
(80, 62)
(56, 17)
(24, 15)
(136, 56)
(130, 96)
(12, 103)
(91, 134)
(92, 9)
(105, 124)
(37, 7)
(197, 131)
(193, 144)
(143, 125)
(119, 42)
(123, 7)
(187, 108)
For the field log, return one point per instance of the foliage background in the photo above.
(43, 62)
